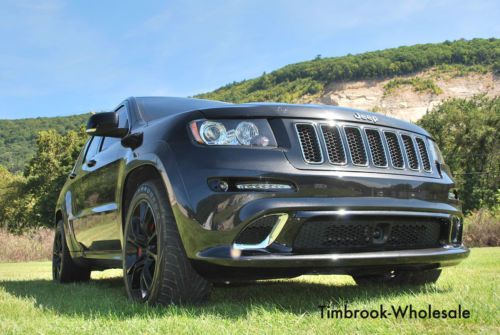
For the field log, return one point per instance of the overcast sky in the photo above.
(68, 57)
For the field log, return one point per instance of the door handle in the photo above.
(72, 175)
(91, 163)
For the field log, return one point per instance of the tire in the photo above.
(395, 278)
(156, 269)
(64, 269)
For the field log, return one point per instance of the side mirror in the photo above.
(105, 124)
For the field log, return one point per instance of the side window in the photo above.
(122, 123)
(93, 148)
(80, 156)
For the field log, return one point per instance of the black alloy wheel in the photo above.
(64, 268)
(141, 251)
(57, 255)
(156, 269)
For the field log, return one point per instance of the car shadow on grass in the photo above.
(107, 297)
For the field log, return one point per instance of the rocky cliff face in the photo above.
(406, 101)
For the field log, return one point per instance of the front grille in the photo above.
(410, 152)
(394, 150)
(309, 143)
(356, 146)
(367, 234)
(257, 231)
(334, 146)
(424, 155)
(376, 147)
(351, 145)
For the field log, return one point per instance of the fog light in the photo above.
(263, 187)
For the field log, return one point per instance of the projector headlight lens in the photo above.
(246, 132)
(255, 133)
(213, 132)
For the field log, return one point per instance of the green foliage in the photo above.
(18, 137)
(29, 201)
(289, 83)
(417, 83)
(458, 70)
(467, 133)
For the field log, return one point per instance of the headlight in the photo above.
(436, 153)
(255, 132)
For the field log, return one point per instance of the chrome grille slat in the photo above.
(376, 147)
(340, 145)
(424, 154)
(309, 142)
(394, 150)
(334, 145)
(411, 153)
(356, 146)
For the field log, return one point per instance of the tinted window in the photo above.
(122, 123)
(93, 148)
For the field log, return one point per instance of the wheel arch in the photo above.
(134, 178)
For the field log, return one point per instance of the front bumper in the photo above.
(209, 222)
(435, 257)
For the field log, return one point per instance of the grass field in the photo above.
(31, 303)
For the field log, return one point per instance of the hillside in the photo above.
(18, 137)
(292, 82)
(405, 82)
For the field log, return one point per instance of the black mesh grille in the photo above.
(257, 231)
(394, 150)
(410, 152)
(333, 141)
(356, 146)
(376, 147)
(367, 234)
(309, 143)
(424, 156)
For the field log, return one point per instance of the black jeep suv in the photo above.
(181, 193)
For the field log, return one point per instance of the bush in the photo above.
(482, 229)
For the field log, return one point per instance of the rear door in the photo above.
(98, 228)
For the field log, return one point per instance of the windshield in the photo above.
(152, 108)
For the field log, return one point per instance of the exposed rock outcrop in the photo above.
(405, 102)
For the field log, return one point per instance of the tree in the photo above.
(467, 133)
(48, 169)
(29, 201)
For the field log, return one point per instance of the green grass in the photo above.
(31, 303)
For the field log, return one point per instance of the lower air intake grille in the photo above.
(356, 146)
(309, 143)
(367, 234)
(257, 231)
(410, 152)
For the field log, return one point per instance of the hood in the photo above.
(312, 112)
